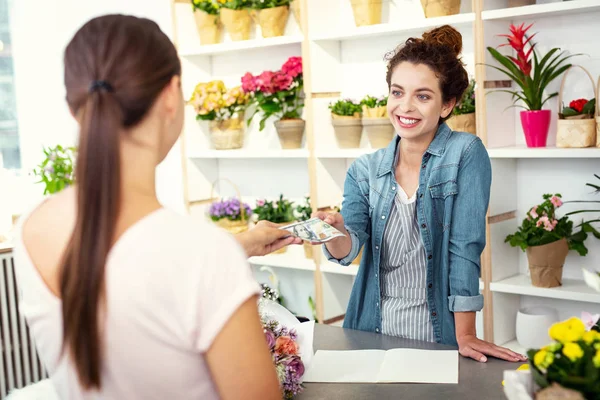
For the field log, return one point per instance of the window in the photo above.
(9, 130)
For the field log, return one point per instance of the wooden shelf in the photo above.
(543, 10)
(293, 258)
(543, 152)
(379, 30)
(571, 289)
(242, 45)
(243, 153)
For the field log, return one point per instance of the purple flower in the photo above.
(230, 209)
(294, 365)
(270, 339)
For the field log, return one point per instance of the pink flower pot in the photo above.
(535, 126)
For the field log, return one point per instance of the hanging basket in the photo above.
(227, 134)
(237, 23)
(440, 8)
(575, 132)
(272, 21)
(290, 132)
(209, 27)
(348, 130)
(233, 227)
(380, 131)
(463, 123)
(546, 263)
(366, 12)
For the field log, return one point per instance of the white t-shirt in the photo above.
(172, 282)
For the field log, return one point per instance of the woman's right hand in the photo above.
(339, 247)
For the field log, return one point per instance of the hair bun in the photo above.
(446, 36)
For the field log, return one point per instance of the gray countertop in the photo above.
(481, 381)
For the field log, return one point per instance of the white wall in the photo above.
(40, 33)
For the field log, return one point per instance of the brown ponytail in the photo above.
(133, 61)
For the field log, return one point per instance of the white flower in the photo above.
(592, 279)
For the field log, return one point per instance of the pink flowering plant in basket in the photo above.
(276, 93)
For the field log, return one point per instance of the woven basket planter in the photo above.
(348, 130)
(440, 8)
(227, 134)
(272, 21)
(577, 131)
(233, 227)
(290, 132)
(209, 27)
(463, 123)
(366, 12)
(237, 23)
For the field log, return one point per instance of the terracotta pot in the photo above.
(546, 263)
(463, 123)
(348, 130)
(290, 132)
(380, 131)
(272, 21)
(209, 27)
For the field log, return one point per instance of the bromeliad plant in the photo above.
(214, 102)
(278, 94)
(57, 171)
(208, 6)
(579, 109)
(532, 76)
(466, 105)
(280, 211)
(346, 108)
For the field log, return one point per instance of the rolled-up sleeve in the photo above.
(468, 228)
(355, 210)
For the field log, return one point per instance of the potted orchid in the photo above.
(235, 16)
(279, 94)
(271, 16)
(206, 14)
(376, 121)
(230, 214)
(532, 76)
(347, 122)
(463, 115)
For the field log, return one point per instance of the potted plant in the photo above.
(57, 170)
(230, 214)
(547, 239)
(224, 108)
(235, 16)
(271, 16)
(280, 94)
(347, 123)
(463, 115)
(532, 79)
(280, 212)
(440, 8)
(303, 212)
(206, 14)
(376, 121)
(366, 12)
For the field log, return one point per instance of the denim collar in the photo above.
(436, 148)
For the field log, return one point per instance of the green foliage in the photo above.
(373, 102)
(304, 211)
(235, 4)
(345, 107)
(57, 170)
(261, 4)
(588, 110)
(208, 6)
(279, 211)
(466, 105)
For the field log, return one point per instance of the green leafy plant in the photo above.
(372, 101)
(466, 105)
(57, 171)
(532, 79)
(208, 6)
(235, 4)
(579, 109)
(304, 210)
(542, 226)
(586, 227)
(261, 4)
(278, 212)
(345, 107)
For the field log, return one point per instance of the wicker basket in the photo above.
(440, 8)
(272, 21)
(575, 132)
(233, 227)
(228, 134)
(237, 23)
(366, 12)
(348, 130)
(209, 27)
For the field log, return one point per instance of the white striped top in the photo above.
(403, 271)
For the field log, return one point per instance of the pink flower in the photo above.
(542, 221)
(292, 67)
(589, 320)
(260, 203)
(281, 81)
(533, 212)
(264, 82)
(556, 201)
(286, 345)
(550, 225)
(248, 83)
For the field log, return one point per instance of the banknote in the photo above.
(313, 230)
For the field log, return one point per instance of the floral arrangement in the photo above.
(346, 108)
(279, 211)
(234, 4)
(541, 226)
(466, 105)
(285, 354)
(230, 209)
(208, 6)
(57, 170)
(213, 101)
(277, 93)
(262, 4)
(304, 211)
(374, 107)
(532, 78)
(579, 109)
(572, 361)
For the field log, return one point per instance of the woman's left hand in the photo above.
(477, 349)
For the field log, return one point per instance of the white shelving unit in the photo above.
(571, 289)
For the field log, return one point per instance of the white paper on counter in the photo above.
(380, 366)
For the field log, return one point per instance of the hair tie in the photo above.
(100, 85)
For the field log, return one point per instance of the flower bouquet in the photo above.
(279, 94)
(376, 121)
(230, 215)
(224, 108)
(235, 16)
(532, 79)
(290, 343)
(206, 14)
(57, 170)
(547, 239)
(347, 123)
(271, 16)
(463, 115)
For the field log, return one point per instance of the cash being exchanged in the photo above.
(313, 230)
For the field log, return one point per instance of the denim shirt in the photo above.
(452, 203)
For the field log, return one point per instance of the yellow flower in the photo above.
(572, 351)
(524, 367)
(216, 87)
(567, 331)
(597, 359)
(543, 359)
(590, 337)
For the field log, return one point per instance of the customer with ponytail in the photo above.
(125, 299)
(418, 207)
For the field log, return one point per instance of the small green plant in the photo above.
(235, 4)
(208, 6)
(57, 171)
(304, 211)
(345, 107)
(466, 105)
(261, 4)
(373, 102)
(278, 212)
